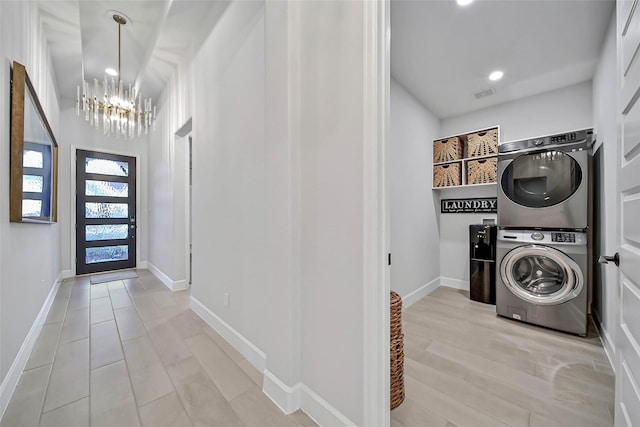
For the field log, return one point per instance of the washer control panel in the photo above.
(563, 237)
(543, 237)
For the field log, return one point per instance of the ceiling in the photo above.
(443, 53)
(159, 34)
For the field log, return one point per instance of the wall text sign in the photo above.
(480, 205)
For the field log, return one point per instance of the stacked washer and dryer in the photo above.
(543, 244)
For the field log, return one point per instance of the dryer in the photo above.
(545, 182)
(542, 278)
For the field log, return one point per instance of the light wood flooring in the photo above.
(466, 367)
(129, 353)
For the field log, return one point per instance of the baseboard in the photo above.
(454, 283)
(321, 411)
(173, 285)
(607, 342)
(288, 399)
(285, 397)
(300, 396)
(419, 293)
(66, 274)
(252, 353)
(143, 265)
(10, 382)
(180, 285)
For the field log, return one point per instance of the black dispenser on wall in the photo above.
(482, 263)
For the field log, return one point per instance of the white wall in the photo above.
(606, 299)
(245, 177)
(454, 235)
(278, 148)
(229, 172)
(560, 110)
(29, 253)
(283, 193)
(331, 159)
(168, 179)
(414, 209)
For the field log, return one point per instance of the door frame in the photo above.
(627, 83)
(376, 212)
(181, 137)
(188, 140)
(72, 200)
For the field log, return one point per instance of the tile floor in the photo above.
(130, 353)
(466, 367)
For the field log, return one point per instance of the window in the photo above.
(36, 181)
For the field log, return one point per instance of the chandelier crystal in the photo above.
(117, 106)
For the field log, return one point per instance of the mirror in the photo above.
(34, 155)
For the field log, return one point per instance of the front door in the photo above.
(105, 212)
(627, 411)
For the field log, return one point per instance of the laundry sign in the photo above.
(479, 205)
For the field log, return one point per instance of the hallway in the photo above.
(129, 353)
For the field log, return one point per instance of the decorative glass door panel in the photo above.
(105, 212)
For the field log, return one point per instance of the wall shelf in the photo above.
(466, 160)
(456, 187)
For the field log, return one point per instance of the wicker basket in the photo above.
(446, 150)
(481, 171)
(395, 315)
(482, 143)
(447, 175)
(397, 352)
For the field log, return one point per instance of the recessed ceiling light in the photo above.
(496, 75)
(111, 72)
(463, 2)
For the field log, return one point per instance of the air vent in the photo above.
(484, 93)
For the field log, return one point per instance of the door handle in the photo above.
(604, 259)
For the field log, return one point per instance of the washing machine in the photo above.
(545, 182)
(542, 278)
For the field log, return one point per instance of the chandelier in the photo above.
(116, 106)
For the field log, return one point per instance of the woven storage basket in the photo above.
(397, 372)
(395, 315)
(446, 150)
(482, 171)
(447, 175)
(397, 352)
(482, 143)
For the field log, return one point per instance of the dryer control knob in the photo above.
(537, 236)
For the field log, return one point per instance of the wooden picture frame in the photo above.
(34, 155)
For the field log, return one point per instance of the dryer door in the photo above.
(541, 179)
(541, 275)
(546, 188)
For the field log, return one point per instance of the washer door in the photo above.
(541, 275)
(541, 179)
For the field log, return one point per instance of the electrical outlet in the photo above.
(226, 299)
